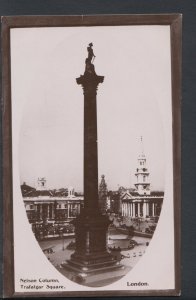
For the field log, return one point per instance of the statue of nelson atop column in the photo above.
(90, 77)
(89, 65)
(90, 52)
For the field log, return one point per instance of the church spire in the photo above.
(142, 175)
(142, 145)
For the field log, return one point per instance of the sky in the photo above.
(134, 100)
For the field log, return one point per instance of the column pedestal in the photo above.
(91, 255)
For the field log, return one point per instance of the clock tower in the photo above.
(142, 175)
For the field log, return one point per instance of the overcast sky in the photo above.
(132, 101)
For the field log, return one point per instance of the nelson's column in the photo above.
(91, 255)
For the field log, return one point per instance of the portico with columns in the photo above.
(43, 208)
(141, 207)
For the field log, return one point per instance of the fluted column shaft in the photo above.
(90, 83)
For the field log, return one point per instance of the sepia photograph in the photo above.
(92, 158)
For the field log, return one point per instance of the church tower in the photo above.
(142, 175)
(103, 195)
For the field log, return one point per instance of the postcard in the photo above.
(91, 155)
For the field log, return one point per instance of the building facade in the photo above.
(46, 205)
(63, 205)
(139, 201)
(142, 206)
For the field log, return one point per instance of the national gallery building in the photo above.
(42, 204)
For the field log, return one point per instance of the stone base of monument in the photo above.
(85, 275)
(80, 273)
(91, 256)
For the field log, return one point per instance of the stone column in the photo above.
(90, 83)
(144, 210)
(147, 209)
(139, 207)
(153, 210)
(91, 254)
(41, 216)
(52, 211)
(67, 210)
(129, 209)
(134, 209)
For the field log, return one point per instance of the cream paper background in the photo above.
(156, 267)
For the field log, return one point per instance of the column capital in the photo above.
(89, 82)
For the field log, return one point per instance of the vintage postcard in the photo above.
(92, 155)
